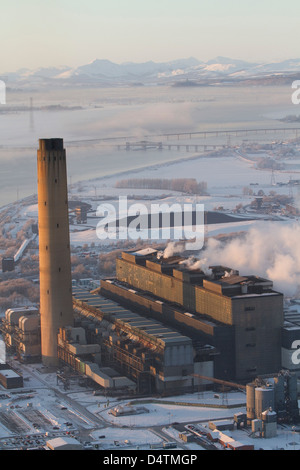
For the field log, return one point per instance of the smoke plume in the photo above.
(270, 250)
(193, 264)
(172, 249)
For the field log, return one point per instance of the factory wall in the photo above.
(258, 321)
(214, 305)
(255, 344)
(161, 285)
(194, 326)
(191, 297)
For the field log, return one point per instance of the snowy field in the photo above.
(226, 177)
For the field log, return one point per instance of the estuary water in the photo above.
(96, 123)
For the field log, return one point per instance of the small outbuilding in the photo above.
(64, 443)
(9, 378)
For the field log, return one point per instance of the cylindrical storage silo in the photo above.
(264, 400)
(250, 392)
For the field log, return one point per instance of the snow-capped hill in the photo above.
(131, 69)
(104, 71)
(99, 67)
(292, 65)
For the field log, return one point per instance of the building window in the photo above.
(251, 328)
(250, 345)
(249, 309)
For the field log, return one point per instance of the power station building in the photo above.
(155, 357)
(160, 326)
(240, 316)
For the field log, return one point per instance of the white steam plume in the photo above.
(172, 249)
(194, 264)
(270, 250)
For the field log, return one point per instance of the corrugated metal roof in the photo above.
(146, 326)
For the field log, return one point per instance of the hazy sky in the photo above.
(41, 33)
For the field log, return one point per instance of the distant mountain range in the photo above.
(184, 72)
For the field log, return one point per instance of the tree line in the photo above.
(184, 185)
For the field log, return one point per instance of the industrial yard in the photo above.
(44, 410)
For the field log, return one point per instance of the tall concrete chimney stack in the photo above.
(54, 246)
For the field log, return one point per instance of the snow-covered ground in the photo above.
(44, 410)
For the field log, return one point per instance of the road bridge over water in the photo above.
(295, 131)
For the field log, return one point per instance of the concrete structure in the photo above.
(8, 264)
(241, 316)
(221, 425)
(22, 333)
(9, 378)
(154, 356)
(54, 246)
(269, 424)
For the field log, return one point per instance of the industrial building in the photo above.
(9, 378)
(63, 443)
(21, 331)
(143, 331)
(241, 317)
(8, 264)
(153, 356)
(168, 327)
